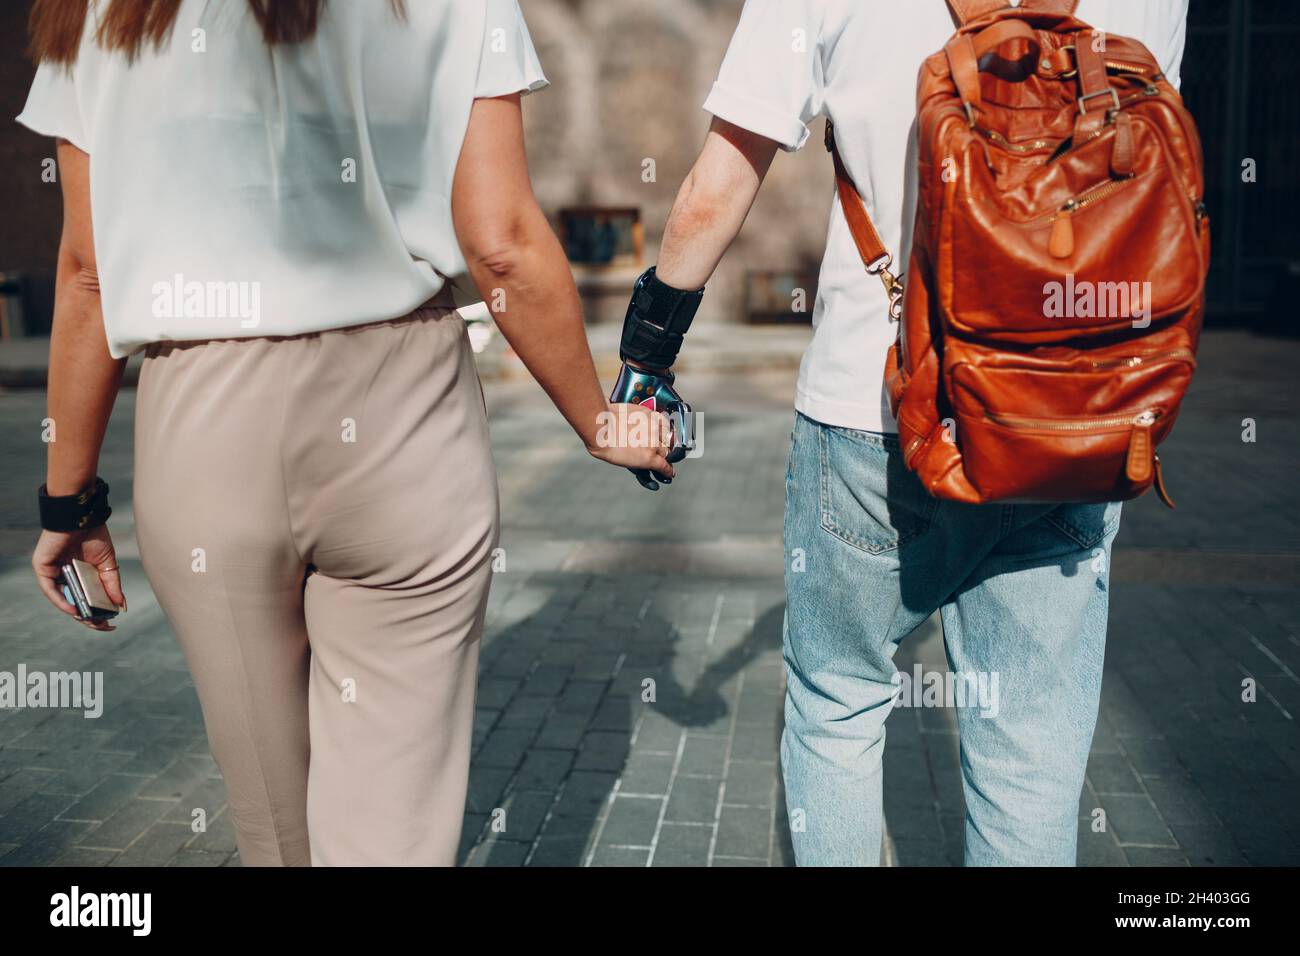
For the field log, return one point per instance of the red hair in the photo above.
(56, 26)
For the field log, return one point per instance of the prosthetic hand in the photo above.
(654, 390)
(657, 320)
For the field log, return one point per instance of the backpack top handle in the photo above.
(967, 10)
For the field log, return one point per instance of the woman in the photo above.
(278, 192)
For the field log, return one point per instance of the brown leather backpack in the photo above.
(1056, 285)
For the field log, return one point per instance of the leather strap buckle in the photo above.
(1109, 91)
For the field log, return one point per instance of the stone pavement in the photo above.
(606, 587)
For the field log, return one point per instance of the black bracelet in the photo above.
(86, 509)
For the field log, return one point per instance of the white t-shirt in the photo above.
(856, 61)
(245, 190)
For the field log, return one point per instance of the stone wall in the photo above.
(628, 78)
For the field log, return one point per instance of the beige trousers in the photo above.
(317, 515)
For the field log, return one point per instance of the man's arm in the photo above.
(711, 207)
(712, 204)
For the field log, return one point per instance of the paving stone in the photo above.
(1155, 856)
(603, 750)
(751, 783)
(562, 731)
(544, 769)
(704, 756)
(1134, 820)
(1099, 849)
(1112, 773)
(494, 692)
(631, 821)
(693, 800)
(179, 779)
(46, 845)
(657, 733)
(504, 748)
(79, 856)
(755, 742)
(197, 858)
(525, 810)
(498, 853)
(112, 793)
(620, 856)
(486, 786)
(546, 680)
(744, 831)
(1179, 800)
(683, 844)
(1207, 845)
(581, 697)
(916, 852)
(647, 773)
(559, 851)
(31, 814)
(157, 846)
(126, 825)
(526, 713)
(20, 785)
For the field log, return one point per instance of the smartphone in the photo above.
(84, 591)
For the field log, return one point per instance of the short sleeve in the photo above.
(54, 105)
(509, 62)
(771, 82)
(1171, 62)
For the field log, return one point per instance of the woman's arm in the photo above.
(83, 384)
(520, 269)
(84, 378)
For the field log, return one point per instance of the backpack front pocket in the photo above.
(1073, 430)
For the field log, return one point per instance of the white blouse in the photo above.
(245, 190)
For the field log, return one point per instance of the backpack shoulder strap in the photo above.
(875, 257)
(1064, 7)
(967, 10)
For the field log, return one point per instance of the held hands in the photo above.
(652, 392)
(637, 438)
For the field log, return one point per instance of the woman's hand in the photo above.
(57, 548)
(630, 436)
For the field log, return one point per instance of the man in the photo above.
(1022, 589)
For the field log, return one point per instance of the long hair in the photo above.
(56, 26)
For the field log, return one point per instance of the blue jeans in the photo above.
(1022, 590)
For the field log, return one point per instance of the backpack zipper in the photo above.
(1060, 242)
(1132, 361)
(1143, 419)
(1030, 147)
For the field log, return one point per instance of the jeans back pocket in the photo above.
(868, 497)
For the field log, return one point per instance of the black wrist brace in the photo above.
(80, 512)
(657, 320)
